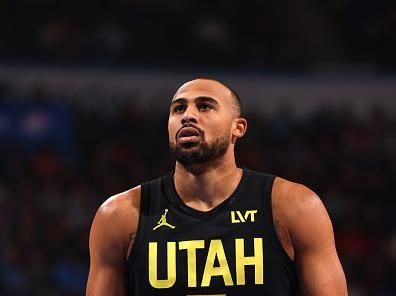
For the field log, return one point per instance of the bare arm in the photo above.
(310, 230)
(109, 244)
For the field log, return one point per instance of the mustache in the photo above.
(201, 132)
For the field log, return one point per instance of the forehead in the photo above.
(203, 88)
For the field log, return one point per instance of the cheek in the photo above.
(171, 129)
(221, 129)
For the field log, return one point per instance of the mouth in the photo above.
(188, 135)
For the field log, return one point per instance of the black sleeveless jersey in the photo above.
(230, 250)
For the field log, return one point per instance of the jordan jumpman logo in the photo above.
(162, 222)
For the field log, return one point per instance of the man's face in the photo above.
(200, 121)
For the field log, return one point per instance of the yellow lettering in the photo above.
(246, 216)
(216, 250)
(153, 272)
(254, 212)
(250, 213)
(233, 219)
(191, 247)
(242, 261)
(240, 216)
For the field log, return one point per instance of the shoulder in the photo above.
(116, 221)
(121, 204)
(299, 215)
(294, 198)
(122, 210)
(311, 235)
(126, 203)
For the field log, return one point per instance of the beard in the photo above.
(203, 152)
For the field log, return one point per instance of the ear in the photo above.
(239, 127)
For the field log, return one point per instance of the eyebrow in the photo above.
(198, 99)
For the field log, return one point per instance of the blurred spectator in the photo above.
(274, 35)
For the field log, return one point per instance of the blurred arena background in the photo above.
(84, 93)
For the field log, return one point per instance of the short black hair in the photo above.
(234, 94)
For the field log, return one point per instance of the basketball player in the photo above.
(211, 227)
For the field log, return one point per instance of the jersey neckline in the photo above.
(177, 201)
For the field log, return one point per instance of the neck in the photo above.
(205, 186)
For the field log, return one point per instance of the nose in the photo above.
(189, 116)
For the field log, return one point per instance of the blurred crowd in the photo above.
(278, 35)
(51, 186)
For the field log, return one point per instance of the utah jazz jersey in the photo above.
(230, 250)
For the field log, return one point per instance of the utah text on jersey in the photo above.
(216, 263)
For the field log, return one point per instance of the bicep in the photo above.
(320, 273)
(317, 264)
(107, 261)
(105, 280)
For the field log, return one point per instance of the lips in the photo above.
(188, 134)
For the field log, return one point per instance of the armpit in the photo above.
(284, 238)
(278, 204)
(131, 241)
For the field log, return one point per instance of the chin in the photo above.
(189, 146)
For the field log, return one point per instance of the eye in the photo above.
(205, 107)
(178, 108)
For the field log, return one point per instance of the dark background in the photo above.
(63, 152)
